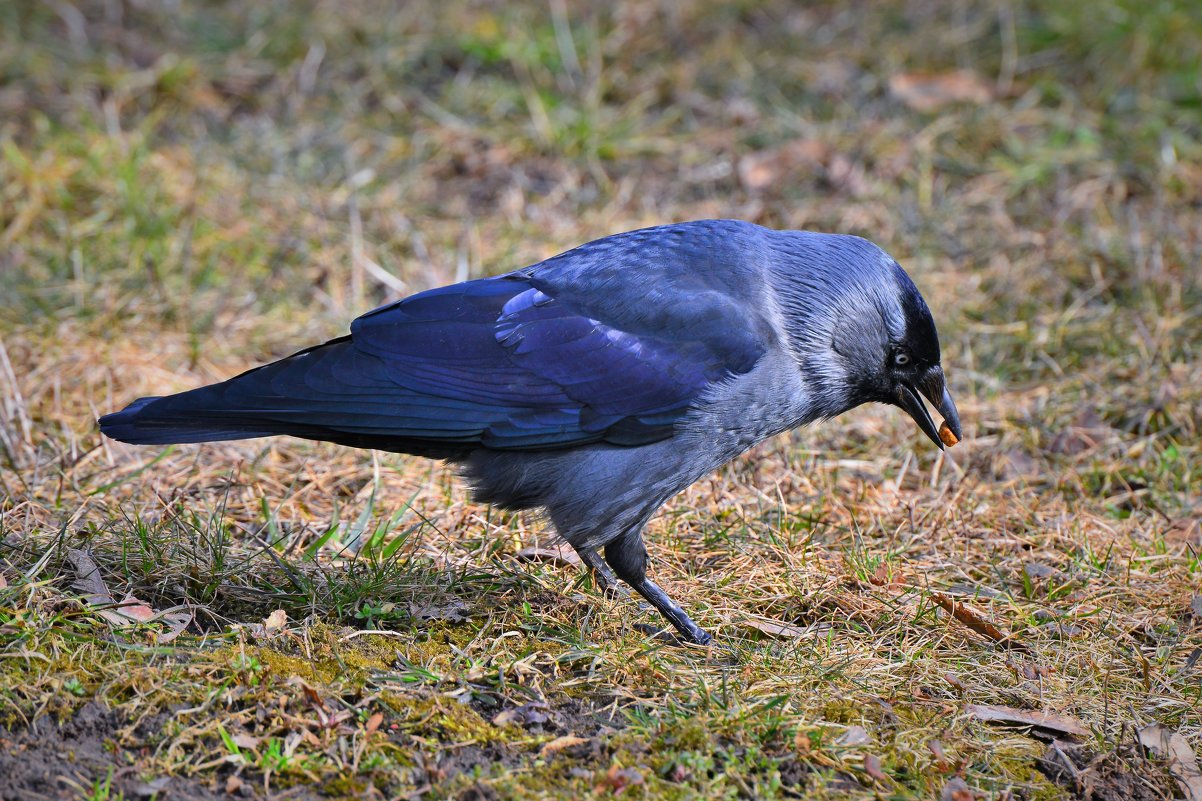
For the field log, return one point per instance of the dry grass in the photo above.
(187, 192)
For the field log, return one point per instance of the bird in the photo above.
(597, 384)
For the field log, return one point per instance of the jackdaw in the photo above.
(601, 382)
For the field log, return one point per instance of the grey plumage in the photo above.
(601, 382)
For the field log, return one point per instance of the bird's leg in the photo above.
(628, 558)
(605, 578)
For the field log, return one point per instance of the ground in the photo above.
(189, 189)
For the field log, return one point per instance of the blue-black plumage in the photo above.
(602, 381)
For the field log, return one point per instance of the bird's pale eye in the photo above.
(901, 359)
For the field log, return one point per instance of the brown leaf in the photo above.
(1045, 721)
(134, 609)
(373, 723)
(311, 695)
(618, 779)
(926, 91)
(1187, 531)
(763, 168)
(275, 621)
(233, 785)
(562, 742)
(176, 623)
(958, 790)
(89, 583)
(855, 735)
(506, 716)
(872, 766)
(152, 788)
(246, 741)
(976, 621)
(936, 749)
(1183, 764)
(532, 713)
(954, 681)
(776, 628)
(561, 554)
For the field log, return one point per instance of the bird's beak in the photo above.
(934, 387)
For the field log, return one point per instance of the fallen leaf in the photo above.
(152, 788)
(855, 735)
(246, 741)
(90, 584)
(531, 713)
(776, 628)
(1061, 630)
(3, 581)
(134, 609)
(506, 716)
(233, 785)
(847, 175)
(872, 766)
(373, 723)
(176, 622)
(763, 168)
(926, 91)
(560, 555)
(936, 749)
(1038, 570)
(958, 790)
(1183, 764)
(1028, 671)
(1187, 531)
(311, 695)
(88, 580)
(1016, 464)
(560, 743)
(974, 591)
(275, 621)
(976, 621)
(954, 681)
(618, 779)
(448, 613)
(1046, 721)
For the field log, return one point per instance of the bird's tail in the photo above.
(160, 421)
(332, 392)
(257, 403)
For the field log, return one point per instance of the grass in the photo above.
(188, 191)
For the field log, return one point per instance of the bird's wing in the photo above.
(514, 362)
(542, 358)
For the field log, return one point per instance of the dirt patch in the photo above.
(49, 761)
(1122, 775)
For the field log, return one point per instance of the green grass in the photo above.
(186, 192)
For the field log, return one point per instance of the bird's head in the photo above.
(868, 335)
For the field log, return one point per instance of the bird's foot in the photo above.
(716, 650)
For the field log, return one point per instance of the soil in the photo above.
(49, 761)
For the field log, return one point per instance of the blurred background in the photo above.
(188, 189)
